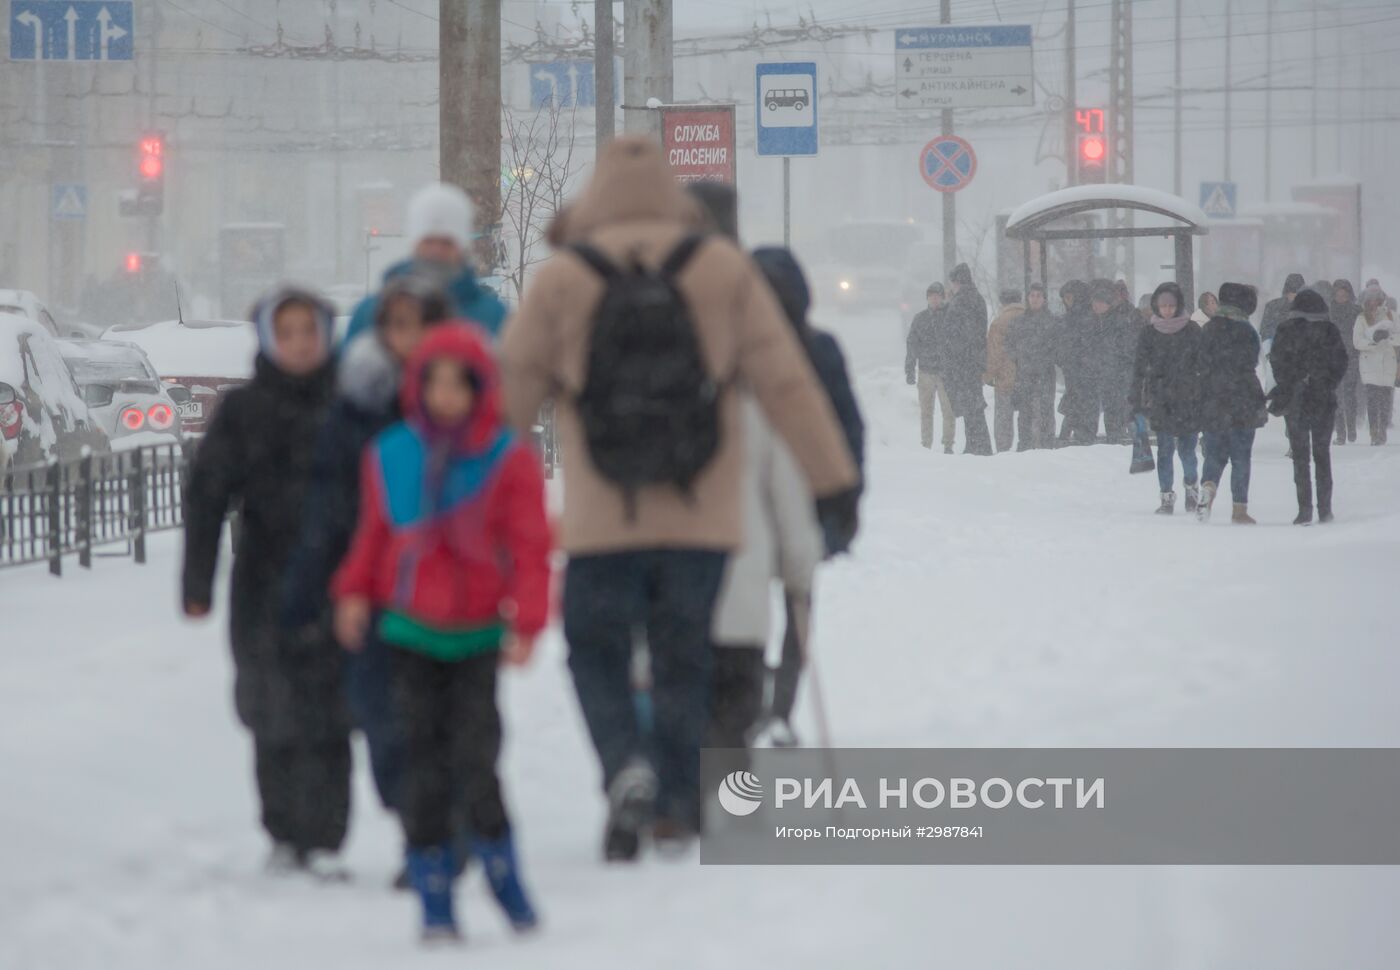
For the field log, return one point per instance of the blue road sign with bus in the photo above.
(786, 100)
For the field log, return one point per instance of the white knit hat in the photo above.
(443, 210)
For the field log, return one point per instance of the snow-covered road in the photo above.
(1021, 600)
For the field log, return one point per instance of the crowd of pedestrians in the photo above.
(393, 547)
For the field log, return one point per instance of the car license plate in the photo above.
(191, 409)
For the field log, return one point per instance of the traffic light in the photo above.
(1092, 153)
(133, 263)
(150, 170)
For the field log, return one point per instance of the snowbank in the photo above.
(195, 349)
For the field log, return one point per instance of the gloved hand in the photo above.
(909, 379)
(1381, 334)
(839, 516)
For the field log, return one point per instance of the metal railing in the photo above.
(91, 503)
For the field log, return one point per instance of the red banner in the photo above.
(699, 142)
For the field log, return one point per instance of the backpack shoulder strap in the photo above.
(681, 255)
(596, 261)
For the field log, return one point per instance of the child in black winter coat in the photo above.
(287, 689)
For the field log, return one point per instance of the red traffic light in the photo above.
(133, 262)
(152, 163)
(1092, 149)
(151, 167)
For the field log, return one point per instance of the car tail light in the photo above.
(11, 418)
(161, 416)
(133, 419)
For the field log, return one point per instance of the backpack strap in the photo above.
(681, 255)
(596, 261)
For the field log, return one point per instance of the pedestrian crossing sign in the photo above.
(1218, 199)
(69, 202)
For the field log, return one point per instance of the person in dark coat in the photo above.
(288, 689)
(1030, 339)
(1231, 400)
(366, 403)
(924, 360)
(1309, 360)
(1078, 345)
(1344, 311)
(1122, 326)
(1164, 387)
(1277, 310)
(967, 335)
(780, 268)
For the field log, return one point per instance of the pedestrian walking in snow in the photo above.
(1373, 335)
(1001, 370)
(639, 306)
(1164, 389)
(1275, 312)
(368, 378)
(1309, 360)
(1344, 313)
(450, 562)
(1231, 399)
(967, 351)
(1030, 340)
(789, 284)
(439, 227)
(1079, 340)
(288, 688)
(1206, 307)
(924, 363)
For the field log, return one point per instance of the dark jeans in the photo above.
(369, 689)
(1378, 401)
(1169, 445)
(1316, 433)
(736, 694)
(451, 732)
(1035, 420)
(304, 786)
(668, 594)
(1236, 447)
(1347, 404)
(976, 434)
(1003, 419)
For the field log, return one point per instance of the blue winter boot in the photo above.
(503, 873)
(430, 871)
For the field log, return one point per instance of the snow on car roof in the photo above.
(12, 326)
(195, 348)
(101, 350)
(1135, 196)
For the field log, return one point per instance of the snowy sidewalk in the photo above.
(1027, 600)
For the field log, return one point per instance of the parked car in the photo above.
(42, 412)
(123, 392)
(199, 361)
(22, 303)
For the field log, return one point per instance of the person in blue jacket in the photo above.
(439, 227)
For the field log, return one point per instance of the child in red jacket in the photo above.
(452, 546)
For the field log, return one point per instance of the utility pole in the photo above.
(469, 112)
(1313, 167)
(1229, 31)
(950, 208)
(1176, 108)
(1071, 147)
(1120, 128)
(603, 84)
(646, 63)
(1269, 102)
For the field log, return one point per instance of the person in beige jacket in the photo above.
(1001, 370)
(658, 569)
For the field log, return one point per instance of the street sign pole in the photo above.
(786, 100)
(787, 201)
(950, 206)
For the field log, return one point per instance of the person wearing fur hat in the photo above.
(1309, 360)
(288, 689)
(1344, 313)
(439, 227)
(366, 402)
(1373, 335)
(1164, 389)
(1231, 399)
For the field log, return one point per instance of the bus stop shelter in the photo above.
(1043, 220)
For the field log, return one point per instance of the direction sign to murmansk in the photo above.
(963, 67)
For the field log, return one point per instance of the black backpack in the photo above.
(649, 407)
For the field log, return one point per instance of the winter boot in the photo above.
(1324, 515)
(1193, 497)
(283, 859)
(775, 732)
(672, 837)
(1206, 500)
(431, 873)
(1241, 516)
(1168, 505)
(631, 798)
(503, 874)
(325, 865)
(1305, 516)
